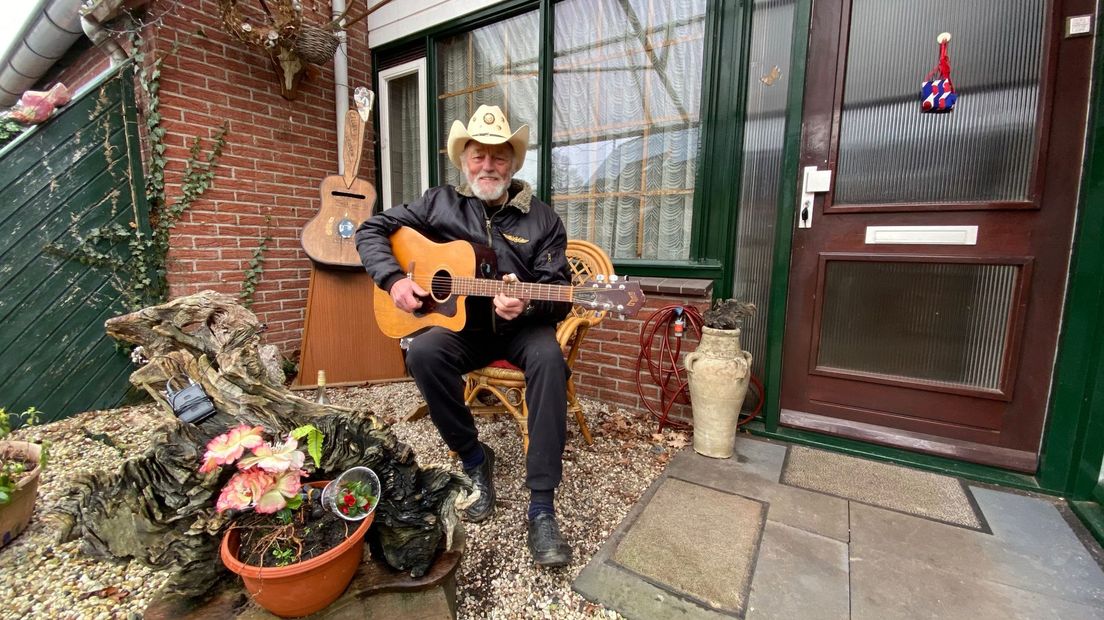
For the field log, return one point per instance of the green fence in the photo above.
(79, 170)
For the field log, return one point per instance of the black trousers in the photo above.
(438, 357)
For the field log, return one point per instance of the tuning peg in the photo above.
(600, 278)
(620, 308)
(613, 278)
(621, 316)
(593, 304)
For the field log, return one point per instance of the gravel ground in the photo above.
(497, 579)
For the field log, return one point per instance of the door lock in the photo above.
(813, 181)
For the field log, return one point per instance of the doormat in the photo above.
(696, 542)
(901, 489)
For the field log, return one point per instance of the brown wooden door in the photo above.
(926, 295)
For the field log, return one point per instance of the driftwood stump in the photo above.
(159, 509)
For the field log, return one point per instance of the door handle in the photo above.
(813, 181)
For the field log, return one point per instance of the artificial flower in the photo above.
(229, 446)
(279, 489)
(236, 495)
(275, 458)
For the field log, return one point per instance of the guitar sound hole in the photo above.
(441, 287)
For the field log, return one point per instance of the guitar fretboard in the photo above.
(521, 290)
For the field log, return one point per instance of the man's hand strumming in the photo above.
(405, 294)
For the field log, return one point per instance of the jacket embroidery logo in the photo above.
(515, 239)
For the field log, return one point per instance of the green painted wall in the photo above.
(79, 170)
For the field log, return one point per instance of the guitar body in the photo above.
(441, 262)
(328, 237)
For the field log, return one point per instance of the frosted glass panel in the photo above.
(492, 65)
(404, 139)
(981, 151)
(937, 323)
(767, 85)
(626, 87)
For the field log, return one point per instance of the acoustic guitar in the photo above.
(346, 202)
(454, 270)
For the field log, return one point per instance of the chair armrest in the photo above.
(565, 331)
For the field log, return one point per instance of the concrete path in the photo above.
(789, 532)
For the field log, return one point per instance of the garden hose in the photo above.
(673, 323)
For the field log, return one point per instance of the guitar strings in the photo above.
(478, 286)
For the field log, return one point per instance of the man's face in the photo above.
(488, 169)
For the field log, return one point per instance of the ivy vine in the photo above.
(256, 268)
(9, 130)
(140, 274)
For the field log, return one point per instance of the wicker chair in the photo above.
(506, 382)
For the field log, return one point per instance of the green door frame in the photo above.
(1073, 446)
(1073, 443)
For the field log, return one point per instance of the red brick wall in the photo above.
(276, 155)
(277, 152)
(606, 369)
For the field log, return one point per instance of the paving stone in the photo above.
(756, 477)
(710, 561)
(1026, 552)
(799, 575)
(1038, 550)
(605, 582)
(884, 587)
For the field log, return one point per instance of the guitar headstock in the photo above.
(613, 294)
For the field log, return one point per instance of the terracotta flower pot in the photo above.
(16, 514)
(302, 588)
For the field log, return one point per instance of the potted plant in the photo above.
(718, 374)
(295, 553)
(21, 464)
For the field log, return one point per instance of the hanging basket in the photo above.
(316, 45)
(281, 24)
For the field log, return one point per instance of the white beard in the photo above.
(487, 191)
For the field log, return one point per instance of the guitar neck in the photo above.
(479, 287)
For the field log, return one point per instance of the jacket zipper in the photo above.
(490, 243)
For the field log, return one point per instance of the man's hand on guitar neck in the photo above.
(405, 293)
(509, 308)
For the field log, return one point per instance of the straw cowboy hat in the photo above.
(489, 126)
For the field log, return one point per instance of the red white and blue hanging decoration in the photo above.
(937, 93)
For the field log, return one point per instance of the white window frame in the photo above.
(414, 66)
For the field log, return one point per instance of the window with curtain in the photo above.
(402, 106)
(625, 123)
(493, 65)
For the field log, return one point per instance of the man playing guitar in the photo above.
(528, 240)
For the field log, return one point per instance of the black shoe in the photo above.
(482, 477)
(545, 542)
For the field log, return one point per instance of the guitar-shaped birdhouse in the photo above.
(452, 271)
(346, 199)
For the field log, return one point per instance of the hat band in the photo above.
(483, 135)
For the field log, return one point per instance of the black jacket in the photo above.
(527, 237)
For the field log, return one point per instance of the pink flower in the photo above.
(237, 494)
(229, 446)
(280, 488)
(275, 459)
